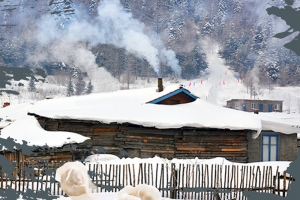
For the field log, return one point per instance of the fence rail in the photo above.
(174, 180)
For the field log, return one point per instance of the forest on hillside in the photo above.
(146, 38)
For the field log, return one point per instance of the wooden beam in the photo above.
(233, 150)
(191, 149)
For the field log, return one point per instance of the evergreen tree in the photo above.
(89, 88)
(70, 88)
(80, 85)
(31, 84)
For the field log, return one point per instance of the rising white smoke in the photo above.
(111, 26)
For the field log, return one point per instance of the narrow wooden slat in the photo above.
(134, 183)
(284, 183)
(182, 180)
(167, 180)
(197, 180)
(114, 179)
(105, 177)
(126, 174)
(253, 176)
(274, 181)
(117, 179)
(145, 173)
(152, 178)
(148, 175)
(248, 177)
(278, 184)
(266, 178)
(101, 177)
(188, 181)
(178, 180)
(270, 179)
(96, 170)
(123, 175)
(263, 177)
(129, 171)
(162, 178)
(37, 183)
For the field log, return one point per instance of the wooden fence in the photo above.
(174, 180)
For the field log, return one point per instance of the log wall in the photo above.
(127, 140)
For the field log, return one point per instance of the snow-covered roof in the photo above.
(281, 122)
(130, 106)
(28, 129)
(12, 113)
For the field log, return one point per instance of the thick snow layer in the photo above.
(281, 122)
(131, 106)
(101, 158)
(13, 112)
(28, 129)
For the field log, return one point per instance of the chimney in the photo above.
(5, 104)
(160, 85)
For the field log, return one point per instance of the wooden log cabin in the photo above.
(168, 122)
(129, 140)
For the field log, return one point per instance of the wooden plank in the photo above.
(134, 183)
(144, 130)
(178, 179)
(142, 140)
(270, 178)
(105, 130)
(143, 145)
(214, 133)
(274, 182)
(191, 149)
(233, 150)
(150, 137)
(129, 171)
(278, 184)
(161, 182)
(183, 172)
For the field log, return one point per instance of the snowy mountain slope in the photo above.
(217, 85)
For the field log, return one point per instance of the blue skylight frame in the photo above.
(155, 101)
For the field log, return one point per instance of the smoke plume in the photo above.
(112, 25)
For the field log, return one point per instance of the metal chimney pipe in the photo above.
(160, 85)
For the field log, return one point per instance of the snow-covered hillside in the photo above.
(217, 85)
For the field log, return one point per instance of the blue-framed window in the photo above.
(269, 147)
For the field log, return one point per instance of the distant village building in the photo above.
(251, 105)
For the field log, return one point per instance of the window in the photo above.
(269, 147)
(261, 107)
(253, 106)
(237, 105)
(276, 107)
(270, 108)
